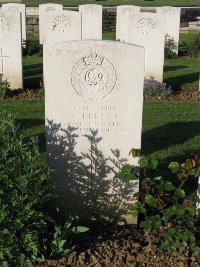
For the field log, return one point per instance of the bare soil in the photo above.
(121, 247)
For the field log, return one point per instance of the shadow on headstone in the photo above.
(82, 187)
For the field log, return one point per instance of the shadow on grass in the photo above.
(168, 135)
(173, 68)
(178, 81)
(32, 75)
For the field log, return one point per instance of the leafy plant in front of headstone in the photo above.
(31, 47)
(161, 202)
(4, 86)
(153, 88)
(170, 47)
(27, 233)
(60, 243)
(23, 194)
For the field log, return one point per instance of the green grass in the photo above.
(116, 2)
(169, 129)
(29, 114)
(188, 36)
(33, 72)
(182, 74)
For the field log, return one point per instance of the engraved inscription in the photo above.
(94, 77)
(104, 118)
(146, 25)
(4, 24)
(169, 12)
(14, 9)
(90, 10)
(128, 12)
(61, 23)
(50, 8)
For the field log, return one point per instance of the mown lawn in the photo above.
(181, 74)
(169, 129)
(116, 2)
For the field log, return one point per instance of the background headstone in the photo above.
(148, 31)
(93, 103)
(125, 21)
(46, 9)
(61, 26)
(172, 23)
(18, 8)
(10, 1)
(91, 21)
(11, 48)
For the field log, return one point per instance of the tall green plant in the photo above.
(4, 86)
(23, 194)
(27, 233)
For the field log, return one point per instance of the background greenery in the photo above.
(180, 73)
(170, 129)
(190, 3)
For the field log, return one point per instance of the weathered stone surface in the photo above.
(62, 26)
(125, 21)
(46, 9)
(146, 29)
(10, 1)
(93, 102)
(172, 23)
(10, 48)
(18, 8)
(91, 21)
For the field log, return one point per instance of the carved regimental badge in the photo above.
(169, 12)
(50, 8)
(128, 12)
(14, 9)
(90, 10)
(61, 23)
(146, 25)
(94, 77)
(4, 24)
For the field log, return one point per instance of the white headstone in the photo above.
(10, 48)
(46, 9)
(125, 21)
(172, 23)
(91, 21)
(148, 30)
(18, 8)
(93, 103)
(61, 26)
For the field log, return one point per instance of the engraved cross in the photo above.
(2, 60)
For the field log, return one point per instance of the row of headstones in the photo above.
(146, 29)
(93, 103)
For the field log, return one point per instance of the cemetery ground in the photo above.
(171, 131)
(189, 3)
